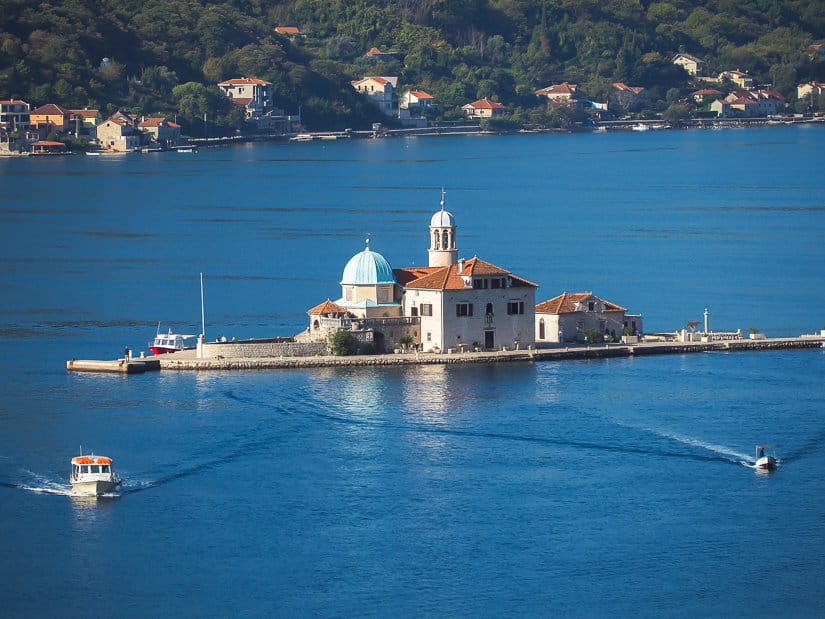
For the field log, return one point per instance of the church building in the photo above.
(452, 304)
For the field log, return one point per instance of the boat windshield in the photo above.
(104, 468)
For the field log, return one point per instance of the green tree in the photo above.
(342, 343)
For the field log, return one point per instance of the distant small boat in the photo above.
(93, 475)
(640, 127)
(170, 342)
(92, 153)
(301, 137)
(765, 457)
(187, 149)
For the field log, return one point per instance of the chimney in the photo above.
(461, 265)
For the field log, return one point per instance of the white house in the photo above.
(689, 63)
(253, 94)
(484, 108)
(381, 90)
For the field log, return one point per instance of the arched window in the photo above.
(445, 240)
(316, 324)
(436, 239)
(541, 329)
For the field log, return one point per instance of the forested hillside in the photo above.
(167, 55)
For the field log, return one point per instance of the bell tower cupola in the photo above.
(442, 250)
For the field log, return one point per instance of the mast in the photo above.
(203, 321)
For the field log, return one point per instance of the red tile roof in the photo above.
(565, 303)
(420, 94)
(288, 30)
(486, 104)
(559, 89)
(451, 278)
(243, 81)
(84, 113)
(327, 307)
(241, 100)
(50, 109)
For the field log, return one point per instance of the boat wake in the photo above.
(725, 453)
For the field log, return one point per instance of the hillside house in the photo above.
(118, 134)
(689, 63)
(706, 94)
(416, 101)
(810, 89)
(293, 33)
(14, 115)
(629, 98)
(85, 121)
(252, 94)
(161, 131)
(740, 78)
(484, 108)
(50, 117)
(376, 54)
(381, 90)
(561, 93)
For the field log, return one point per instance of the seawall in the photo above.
(187, 361)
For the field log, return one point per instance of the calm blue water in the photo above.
(582, 488)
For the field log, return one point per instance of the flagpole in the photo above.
(203, 321)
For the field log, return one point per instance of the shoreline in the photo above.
(187, 361)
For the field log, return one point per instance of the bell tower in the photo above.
(442, 250)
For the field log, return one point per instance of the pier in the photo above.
(187, 360)
(115, 366)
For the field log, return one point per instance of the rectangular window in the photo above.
(426, 309)
(413, 311)
(495, 283)
(429, 336)
(478, 283)
(515, 307)
(464, 309)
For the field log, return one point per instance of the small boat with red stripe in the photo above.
(171, 342)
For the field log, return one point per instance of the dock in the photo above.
(115, 366)
(187, 359)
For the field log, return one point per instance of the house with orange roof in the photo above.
(85, 120)
(810, 89)
(293, 33)
(701, 96)
(381, 90)
(484, 108)
(374, 53)
(628, 98)
(561, 93)
(161, 130)
(251, 93)
(118, 133)
(571, 315)
(416, 100)
(740, 78)
(50, 117)
(14, 115)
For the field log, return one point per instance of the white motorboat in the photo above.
(171, 342)
(93, 475)
(765, 457)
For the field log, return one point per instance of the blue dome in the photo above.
(441, 219)
(367, 267)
